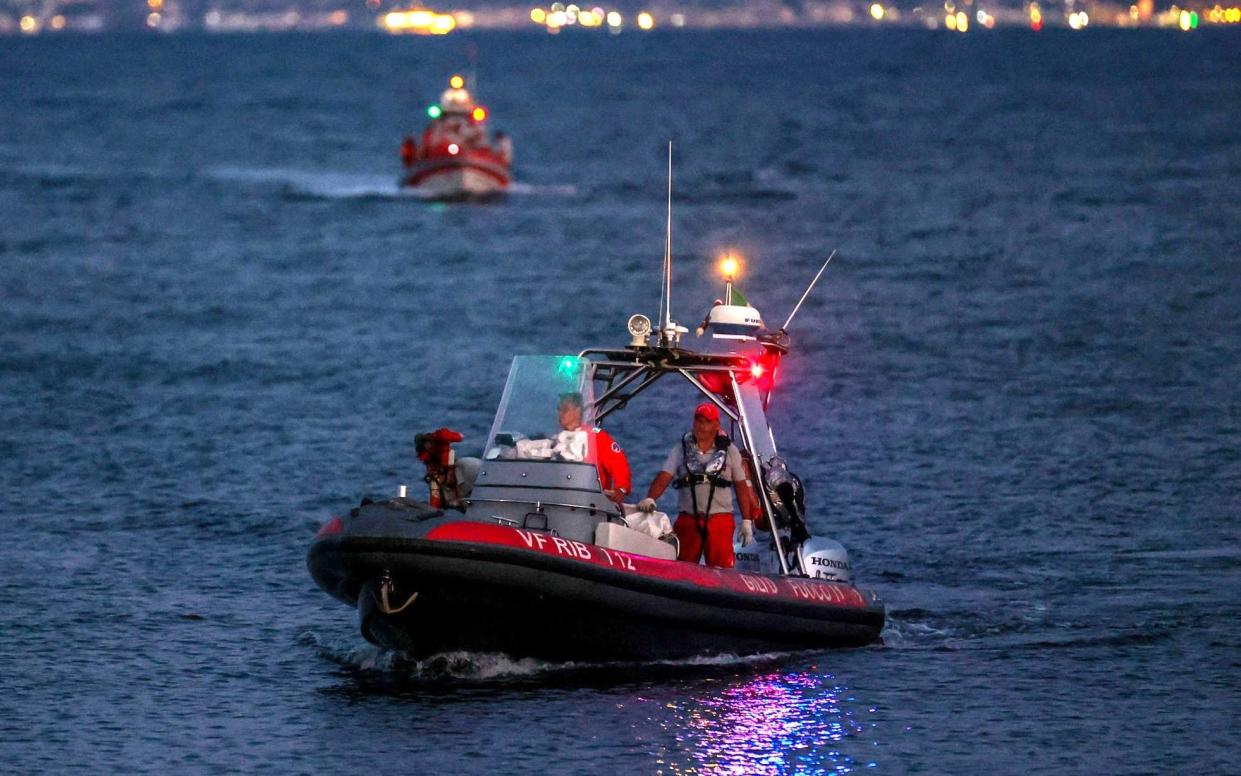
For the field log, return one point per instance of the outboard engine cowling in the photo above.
(825, 559)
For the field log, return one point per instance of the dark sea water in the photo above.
(1014, 396)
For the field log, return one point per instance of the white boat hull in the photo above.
(456, 179)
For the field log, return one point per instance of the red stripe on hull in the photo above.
(808, 590)
(424, 170)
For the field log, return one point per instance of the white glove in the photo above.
(747, 532)
(646, 505)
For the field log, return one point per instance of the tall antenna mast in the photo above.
(809, 288)
(666, 323)
(471, 54)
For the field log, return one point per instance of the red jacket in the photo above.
(612, 463)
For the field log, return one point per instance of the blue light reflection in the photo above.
(776, 723)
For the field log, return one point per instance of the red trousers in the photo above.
(719, 538)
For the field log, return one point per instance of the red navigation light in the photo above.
(763, 370)
(479, 113)
(453, 148)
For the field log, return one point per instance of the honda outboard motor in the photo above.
(825, 559)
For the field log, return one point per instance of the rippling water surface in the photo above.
(1014, 398)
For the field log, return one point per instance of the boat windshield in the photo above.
(546, 411)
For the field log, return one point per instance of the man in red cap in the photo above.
(706, 467)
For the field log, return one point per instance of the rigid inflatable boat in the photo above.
(519, 550)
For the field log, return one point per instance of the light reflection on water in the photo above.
(775, 723)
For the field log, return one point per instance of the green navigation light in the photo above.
(569, 366)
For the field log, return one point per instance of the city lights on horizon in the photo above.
(976, 14)
(956, 21)
(959, 16)
(420, 22)
(558, 16)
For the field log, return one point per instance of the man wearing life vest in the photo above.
(609, 457)
(706, 467)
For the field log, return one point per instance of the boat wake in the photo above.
(543, 190)
(496, 667)
(342, 185)
(1016, 629)
(910, 630)
(319, 185)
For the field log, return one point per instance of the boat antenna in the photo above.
(665, 302)
(471, 54)
(810, 287)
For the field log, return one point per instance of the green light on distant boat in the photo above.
(434, 111)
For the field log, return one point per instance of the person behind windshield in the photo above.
(706, 467)
(609, 457)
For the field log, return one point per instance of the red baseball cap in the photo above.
(708, 411)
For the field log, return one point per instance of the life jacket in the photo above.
(698, 471)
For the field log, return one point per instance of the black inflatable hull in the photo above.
(485, 587)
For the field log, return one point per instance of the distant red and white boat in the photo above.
(455, 157)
